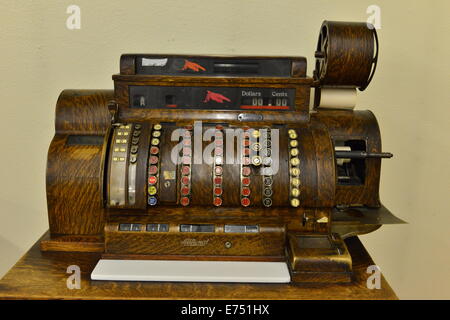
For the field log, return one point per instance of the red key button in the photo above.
(152, 180)
(245, 181)
(218, 151)
(217, 201)
(217, 191)
(218, 142)
(154, 159)
(153, 169)
(246, 151)
(245, 191)
(245, 142)
(219, 127)
(185, 170)
(184, 201)
(245, 161)
(218, 180)
(245, 202)
(246, 171)
(218, 171)
(187, 151)
(185, 180)
(186, 160)
(185, 191)
(188, 127)
(154, 150)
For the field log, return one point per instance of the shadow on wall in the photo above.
(10, 253)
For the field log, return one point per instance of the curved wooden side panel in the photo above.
(74, 188)
(83, 112)
(75, 162)
(356, 125)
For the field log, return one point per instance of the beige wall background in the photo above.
(409, 95)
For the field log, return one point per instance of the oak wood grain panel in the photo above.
(83, 112)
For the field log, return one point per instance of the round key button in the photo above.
(245, 191)
(152, 190)
(256, 160)
(246, 161)
(156, 134)
(218, 160)
(295, 192)
(133, 158)
(245, 202)
(246, 171)
(184, 201)
(293, 143)
(218, 151)
(187, 151)
(268, 181)
(217, 191)
(268, 192)
(154, 150)
(185, 180)
(185, 191)
(218, 142)
(219, 127)
(186, 160)
(256, 133)
(137, 126)
(295, 202)
(218, 180)
(218, 171)
(185, 170)
(295, 161)
(294, 152)
(136, 133)
(152, 201)
(153, 170)
(295, 182)
(188, 127)
(152, 180)
(186, 142)
(256, 147)
(245, 142)
(217, 201)
(154, 159)
(155, 141)
(157, 126)
(267, 202)
(295, 172)
(246, 181)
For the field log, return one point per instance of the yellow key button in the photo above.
(156, 134)
(294, 152)
(157, 126)
(295, 202)
(295, 161)
(293, 143)
(295, 171)
(152, 190)
(155, 141)
(295, 192)
(295, 182)
(256, 133)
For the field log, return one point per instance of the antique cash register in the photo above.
(216, 168)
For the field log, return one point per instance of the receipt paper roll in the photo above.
(335, 98)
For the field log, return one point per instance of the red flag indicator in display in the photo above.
(189, 65)
(217, 97)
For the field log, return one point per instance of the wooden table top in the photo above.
(42, 275)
